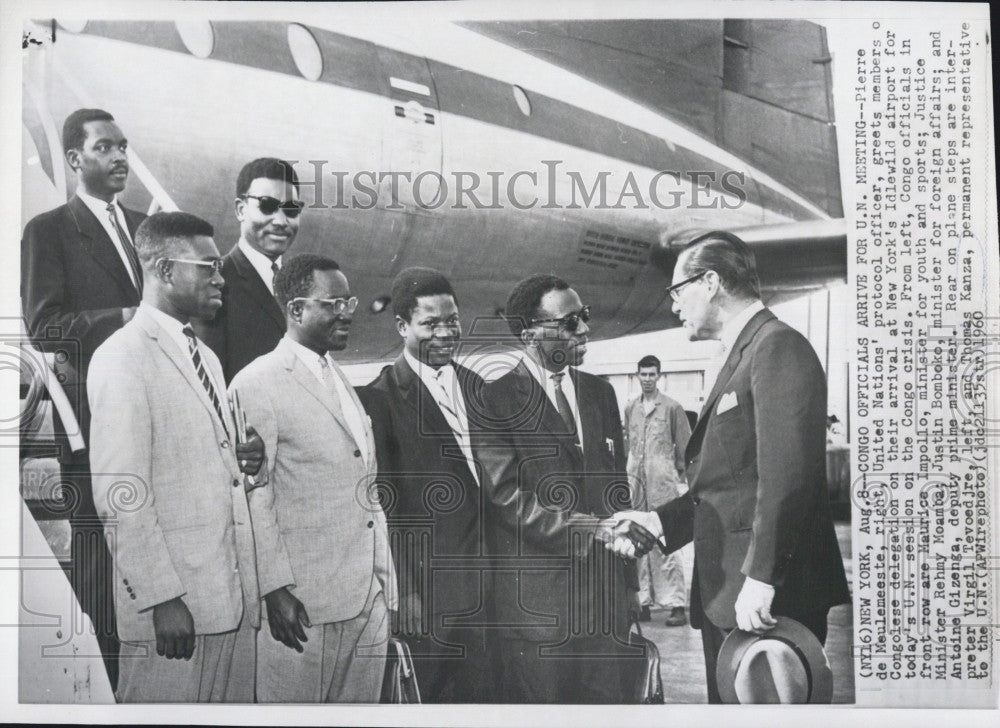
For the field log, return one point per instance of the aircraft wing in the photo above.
(760, 89)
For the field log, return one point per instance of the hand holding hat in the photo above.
(753, 607)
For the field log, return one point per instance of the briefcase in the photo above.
(646, 685)
(399, 685)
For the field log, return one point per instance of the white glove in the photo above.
(753, 607)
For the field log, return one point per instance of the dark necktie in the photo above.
(199, 367)
(133, 258)
(562, 405)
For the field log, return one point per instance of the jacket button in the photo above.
(357, 453)
(224, 444)
(236, 482)
(371, 524)
(132, 596)
(695, 499)
(125, 582)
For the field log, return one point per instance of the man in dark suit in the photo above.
(555, 472)
(80, 282)
(757, 508)
(421, 413)
(251, 322)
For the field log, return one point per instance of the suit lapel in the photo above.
(548, 417)
(416, 395)
(182, 361)
(256, 288)
(98, 245)
(726, 373)
(308, 381)
(590, 414)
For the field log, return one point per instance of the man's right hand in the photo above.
(286, 615)
(174, 629)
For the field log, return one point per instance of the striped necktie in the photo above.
(133, 258)
(199, 367)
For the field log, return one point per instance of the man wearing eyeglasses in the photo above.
(251, 322)
(81, 282)
(555, 472)
(757, 508)
(169, 483)
(322, 548)
(422, 409)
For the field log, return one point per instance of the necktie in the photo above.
(199, 367)
(450, 410)
(343, 404)
(274, 271)
(562, 405)
(133, 258)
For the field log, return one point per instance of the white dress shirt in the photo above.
(260, 262)
(444, 382)
(544, 378)
(354, 417)
(732, 329)
(100, 210)
(175, 330)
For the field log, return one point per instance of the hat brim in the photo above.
(796, 636)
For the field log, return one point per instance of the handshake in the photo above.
(631, 534)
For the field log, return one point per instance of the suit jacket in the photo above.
(545, 499)
(757, 505)
(167, 485)
(319, 526)
(74, 286)
(432, 499)
(250, 322)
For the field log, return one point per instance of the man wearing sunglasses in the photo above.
(555, 472)
(169, 485)
(757, 508)
(322, 549)
(251, 322)
(422, 409)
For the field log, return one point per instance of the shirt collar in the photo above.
(426, 372)
(96, 206)
(734, 326)
(173, 327)
(260, 262)
(309, 357)
(544, 377)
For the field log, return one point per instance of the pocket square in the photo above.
(726, 402)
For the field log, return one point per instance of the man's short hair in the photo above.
(74, 135)
(412, 283)
(268, 168)
(295, 278)
(524, 300)
(159, 235)
(649, 361)
(731, 259)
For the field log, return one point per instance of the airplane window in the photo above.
(522, 100)
(198, 36)
(75, 25)
(305, 51)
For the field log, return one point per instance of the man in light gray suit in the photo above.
(168, 483)
(321, 534)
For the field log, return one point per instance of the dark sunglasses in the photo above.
(569, 322)
(269, 205)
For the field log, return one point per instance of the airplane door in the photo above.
(412, 139)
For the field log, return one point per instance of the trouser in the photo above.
(661, 580)
(90, 570)
(453, 666)
(712, 638)
(341, 662)
(221, 670)
(586, 670)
